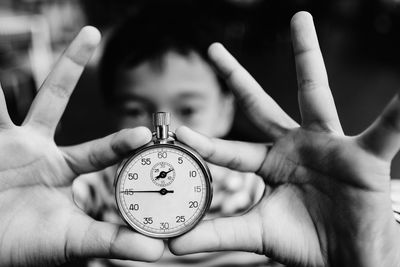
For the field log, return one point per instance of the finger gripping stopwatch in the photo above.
(164, 189)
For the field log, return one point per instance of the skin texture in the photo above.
(40, 224)
(327, 198)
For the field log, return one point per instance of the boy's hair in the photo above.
(150, 34)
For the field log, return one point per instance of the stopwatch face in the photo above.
(163, 190)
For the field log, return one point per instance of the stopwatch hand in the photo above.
(162, 191)
(163, 174)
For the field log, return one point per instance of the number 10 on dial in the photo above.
(164, 189)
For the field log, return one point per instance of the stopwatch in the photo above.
(164, 188)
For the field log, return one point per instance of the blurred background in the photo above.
(359, 39)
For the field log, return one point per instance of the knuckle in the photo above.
(211, 150)
(234, 162)
(312, 85)
(58, 90)
(95, 161)
(248, 101)
(119, 140)
(114, 238)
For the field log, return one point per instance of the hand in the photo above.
(40, 224)
(327, 199)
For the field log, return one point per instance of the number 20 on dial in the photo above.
(164, 189)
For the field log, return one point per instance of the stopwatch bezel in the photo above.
(207, 177)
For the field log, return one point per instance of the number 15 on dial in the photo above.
(164, 189)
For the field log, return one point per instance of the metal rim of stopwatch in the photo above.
(190, 152)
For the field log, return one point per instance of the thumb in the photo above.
(89, 238)
(233, 233)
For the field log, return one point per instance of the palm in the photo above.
(36, 186)
(327, 195)
(35, 225)
(305, 197)
(40, 224)
(26, 150)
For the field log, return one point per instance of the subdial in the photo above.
(162, 174)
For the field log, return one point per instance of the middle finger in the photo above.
(49, 105)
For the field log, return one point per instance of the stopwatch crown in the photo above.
(161, 118)
(161, 121)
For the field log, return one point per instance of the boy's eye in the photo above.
(187, 111)
(136, 112)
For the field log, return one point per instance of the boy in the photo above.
(156, 62)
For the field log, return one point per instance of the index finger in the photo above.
(52, 98)
(260, 107)
(241, 233)
(241, 156)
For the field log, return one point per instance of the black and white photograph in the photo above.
(217, 133)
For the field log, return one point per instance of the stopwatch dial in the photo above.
(162, 173)
(163, 191)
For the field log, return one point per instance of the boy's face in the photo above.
(185, 86)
